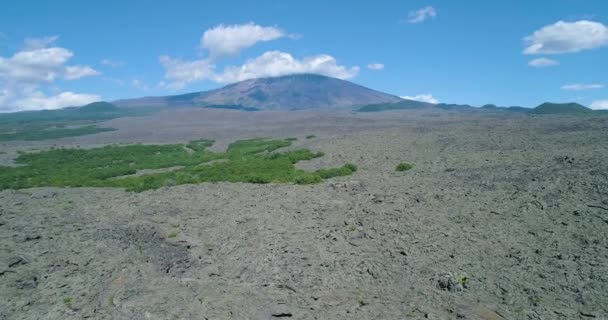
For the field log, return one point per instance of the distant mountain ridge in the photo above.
(561, 108)
(545, 108)
(291, 92)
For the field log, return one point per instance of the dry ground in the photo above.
(518, 204)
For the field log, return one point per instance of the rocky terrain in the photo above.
(504, 216)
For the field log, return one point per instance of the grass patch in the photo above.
(68, 301)
(35, 134)
(250, 161)
(404, 166)
(463, 279)
(172, 234)
(310, 136)
(68, 122)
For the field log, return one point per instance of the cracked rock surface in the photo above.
(502, 217)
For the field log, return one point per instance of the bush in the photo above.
(404, 166)
(352, 167)
(345, 170)
(308, 179)
(310, 136)
(250, 161)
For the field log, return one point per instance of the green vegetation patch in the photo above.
(33, 134)
(68, 122)
(401, 105)
(404, 166)
(252, 161)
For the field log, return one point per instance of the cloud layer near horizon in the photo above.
(222, 41)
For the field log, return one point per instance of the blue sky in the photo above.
(59, 53)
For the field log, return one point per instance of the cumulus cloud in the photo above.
(270, 64)
(565, 37)
(180, 72)
(38, 100)
(230, 40)
(375, 66)
(277, 63)
(77, 72)
(34, 66)
(222, 41)
(26, 71)
(581, 86)
(421, 14)
(422, 98)
(599, 105)
(543, 62)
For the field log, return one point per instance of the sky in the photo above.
(55, 54)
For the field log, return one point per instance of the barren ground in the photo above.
(517, 204)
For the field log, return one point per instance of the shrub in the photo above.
(404, 166)
(352, 167)
(463, 279)
(310, 136)
(308, 179)
(258, 180)
(67, 301)
(250, 161)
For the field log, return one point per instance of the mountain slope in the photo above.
(561, 108)
(401, 105)
(415, 105)
(495, 108)
(292, 92)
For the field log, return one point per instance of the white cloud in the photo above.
(581, 86)
(599, 105)
(277, 63)
(230, 40)
(422, 98)
(421, 14)
(375, 66)
(543, 62)
(34, 66)
(565, 37)
(112, 63)
(77, 72)
(181, 72)
(39, 43)
(24, 73)
(38, 100)
(270, 64)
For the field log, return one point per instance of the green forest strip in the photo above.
(251, 161)
(34, 134)
(69, 122)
